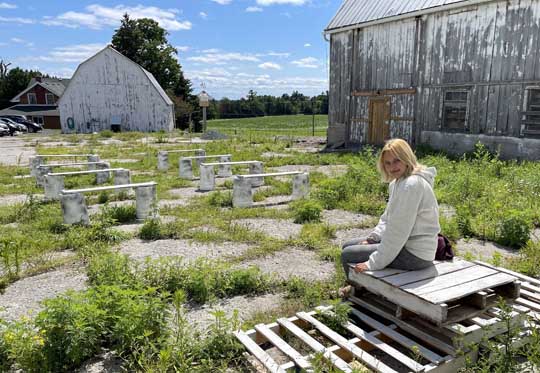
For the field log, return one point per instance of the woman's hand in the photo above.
(361, 267)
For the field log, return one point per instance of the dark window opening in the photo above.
(455, 110)
(531, 119)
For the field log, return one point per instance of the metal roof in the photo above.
(358, 12)
(44, 110)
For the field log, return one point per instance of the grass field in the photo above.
(299, 125)
(138, 309)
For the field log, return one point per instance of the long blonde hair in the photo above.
(401, 150)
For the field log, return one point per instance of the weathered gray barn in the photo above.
(447, 73)
(110, 91)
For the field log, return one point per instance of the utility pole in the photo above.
(312, 119)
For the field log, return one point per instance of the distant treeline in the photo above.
(256, 106)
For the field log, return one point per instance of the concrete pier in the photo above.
(300, 185)
(74, 208)
(146, 200)
(242, 192)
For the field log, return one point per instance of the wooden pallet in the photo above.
(445, 293)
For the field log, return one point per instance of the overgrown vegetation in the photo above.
(138, 309)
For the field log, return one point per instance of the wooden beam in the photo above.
(383, 92)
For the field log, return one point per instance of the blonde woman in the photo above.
(406, 235)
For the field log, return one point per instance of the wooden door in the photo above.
(379, 120)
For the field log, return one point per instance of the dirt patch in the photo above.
(483, 250)
(277, 228)
(190, 250)
(25, 295)
(277, 202)
(342, 217)
(246, 306)
(293, 263)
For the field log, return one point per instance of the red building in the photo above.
(38, 101)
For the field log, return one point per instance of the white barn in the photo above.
(110, 91)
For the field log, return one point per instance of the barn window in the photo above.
(49, 99)
(532, 115)
(32, 100)
(456, 110)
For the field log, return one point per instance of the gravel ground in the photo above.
(329, 170)
(126, 160)
(276, 228)
(186, 193)
(274, 155)
(189, 250)
(106, 362)
(342, 217)
(201, 318)
(293, 262)
(348, 234)
(12, 199)
(483, 250)
(15, 151)
(279, 202)
(27, 293)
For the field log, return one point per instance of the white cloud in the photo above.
(182, 48)
(25, 21)
(253, 9)
(203, 15)
(22, 41)
(63, 72)
(237, 85)
(72, 53)
(99, 16)
(270, 65)
(281, 2)
(307, 45)
(7, 6)
(308, 62)
(222, 2)
(218, 58)
(279, 54)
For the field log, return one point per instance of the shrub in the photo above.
(151, 230)
(103, 197)
(306, 210)
(220, 199)
(514, 229)
(121, 214)
(106, 134)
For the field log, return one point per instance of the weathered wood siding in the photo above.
(110, 85)
(491, 49)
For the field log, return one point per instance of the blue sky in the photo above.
(232, 46)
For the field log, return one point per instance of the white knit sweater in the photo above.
(411, 220)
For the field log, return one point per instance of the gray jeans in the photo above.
(353, 252)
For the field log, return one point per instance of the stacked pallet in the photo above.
(385, 336)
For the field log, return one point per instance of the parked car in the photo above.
(31, 126)
(18, 126)
(4, 129)
(12, 128)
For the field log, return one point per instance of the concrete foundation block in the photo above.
(103, 177)
(242, 193)
(256, 168)
(146, 200)
(163, 161)
(41, 172)
(300, 185)
(53, 186)
(225, 170)
(35, 162)
(92, 158)
(74, 208)
(199, 153)
(185, 169)
(208, 178)
(122, 177)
